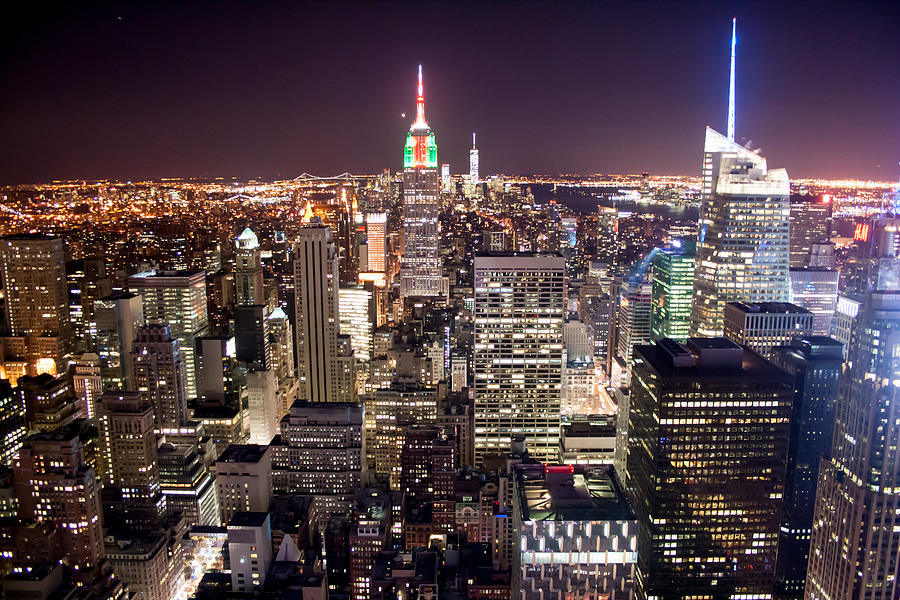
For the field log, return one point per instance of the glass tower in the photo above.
(743, 247)
(673, 289)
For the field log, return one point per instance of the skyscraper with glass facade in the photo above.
(673, 289)
(856, 527)
(517, 360)
(420, 271)
(743, 247)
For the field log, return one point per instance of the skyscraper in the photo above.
(177, 299)
(473, 163)
(420, 273)
(816, 289)
(744, 239)
(248, 273)
(117, 316)
(518, 352)
(673, 288)
(607, 234)
(764, 325)
(316, 299)
(815, 364)
(707, 445)
(856, 527)
(37, 305)
(157, 365)
(810, 224)
(376, 242)
(742, 253)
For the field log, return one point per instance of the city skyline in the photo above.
(146, 92)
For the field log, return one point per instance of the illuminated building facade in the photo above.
(518, 353)
(473, 163)
(856, 525)
(37, 305)
(248, 272)
(708, 428)
(575, 533)
(157, 367)
(376, 242)
(764, 325)
(816, 289)
(243, 480)
(672, 293)
(392, 411)
(810, 219)
(420, 273)
(743, 248)
(815, 364)
(117, 317)
(176, 299)
(607, 234)
(356, 319)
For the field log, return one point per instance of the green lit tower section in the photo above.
(420, 266)
(673, 289)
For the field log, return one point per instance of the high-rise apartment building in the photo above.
(248, 272)
(316, 322)
(707, 443)
(816, 289)
(53, 484)
(420, 273)
(815, 364)
(743, 248)
(672, 293)
(764, 325)
(117, 316)
(128, 455)
(37, 305)
(176, 299)
(856, 525)
(517, 359)
(158, 373)
(810, 224)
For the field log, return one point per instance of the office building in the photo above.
(49, 403)
(248, 271)
(743, 248)
(12, 423)
(518, 352)
(672, 292)
(763, 325)
(316, 322)
(187, 484)
(810, 224)
(845, 313)
(577, 534)
(607, 235)
(428, 463)
(588, 440)
(37, 305)
(54, 485)
(856, 525)
(176, 299)
(87, 383)
(369, 535)
(633, 316)
(158, 372)
(391, 411)
(816, 289)
(420, 272)
(128, 457)
(216, 366)
(356, 318)
(117, 316)
(243, 480)
(281, 344)
(249, 550)
(251, 338)
(707, 444)
(321, 453)
(447, 186)
(815, 364)
(376, 242)
(263, 408)
(151, 564)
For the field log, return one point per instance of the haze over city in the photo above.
(145, 90)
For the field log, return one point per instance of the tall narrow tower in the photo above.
(473, 162)
(731, 82)
(248, 272)
(420, 273)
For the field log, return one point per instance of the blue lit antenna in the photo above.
(731, 82)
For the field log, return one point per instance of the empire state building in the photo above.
(420, 272)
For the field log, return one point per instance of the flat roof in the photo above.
(248, 519)
(547, 493)
(243, 453)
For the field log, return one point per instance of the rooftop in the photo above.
(248, 519)
(564, 493)
(768, 307)
(243, 453)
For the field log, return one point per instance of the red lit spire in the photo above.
(420, 106)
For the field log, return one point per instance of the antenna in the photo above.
(731, 82)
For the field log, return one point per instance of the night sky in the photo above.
(234, 89)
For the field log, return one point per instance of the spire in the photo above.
(473, 139)
(731, 82)
(420, 105)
